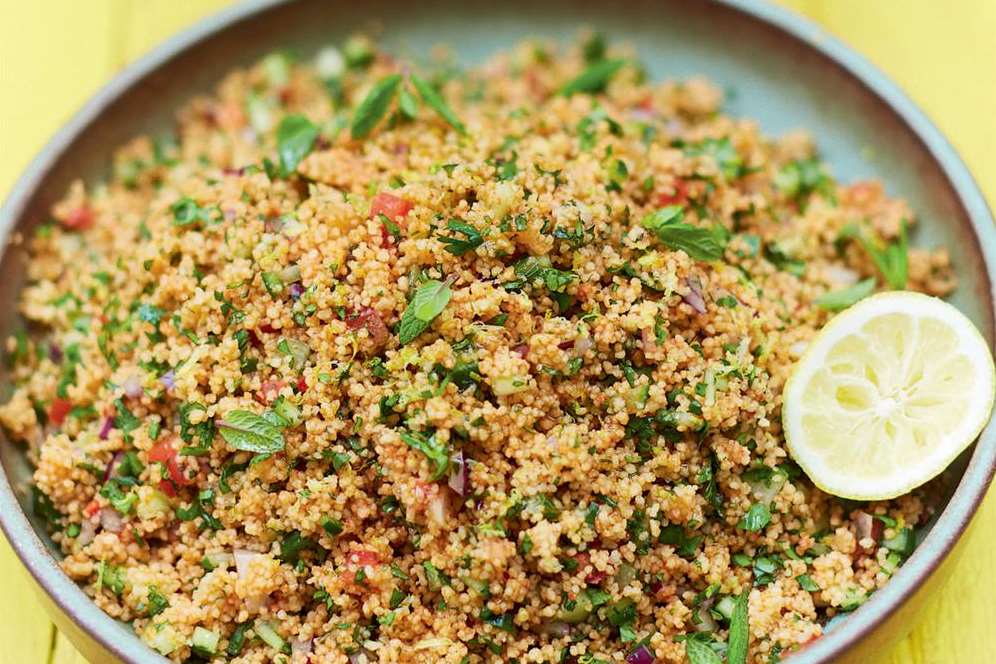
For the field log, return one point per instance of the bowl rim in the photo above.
(950, 525)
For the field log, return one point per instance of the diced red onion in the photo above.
(295, 290)
(110, 520)
(242, 559)
(522, 350)
(87, 532)
(641, 655)
(458, 474)
(112, 467)
(168, 379)
(863, 522)
(694, 298)
(105, 428)
(132, 386)
(55, 353)
(867, 527)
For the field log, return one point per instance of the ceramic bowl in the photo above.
(778, 68)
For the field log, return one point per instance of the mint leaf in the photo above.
(736, 652)
(374, 106)
(435, 101)
(702, 244)
(295, 137)
(244, 430)
(699, 653)
(842, 299)
(407, 103)
(594, 78)
(429, 301)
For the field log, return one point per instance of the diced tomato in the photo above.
(266, 328)
(79, 219)
(269, 391)
(679, 197)
(362, 558)
(302, 385)
(164, 452)
(369, 318)
(58, 410)
(393, 207)
(92, 508)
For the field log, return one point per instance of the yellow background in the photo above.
(56, 53)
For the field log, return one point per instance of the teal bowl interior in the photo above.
(777, 69)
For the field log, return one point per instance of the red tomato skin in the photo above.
(58, 410)
(393, 207)
(164, 452)
(79, 219)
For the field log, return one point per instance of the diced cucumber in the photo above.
(164, 639)
(903, 543)
(268, 634)
(204, 642)
(579, 611)
(724, 606)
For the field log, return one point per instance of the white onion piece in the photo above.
(582, 345)
(242, 559)
(110, 520)
(301, 647)
(439, 509)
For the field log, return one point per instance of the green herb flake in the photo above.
(187, 212)
(892, 260)
(437, 452)
(458, 246)
(756, 518)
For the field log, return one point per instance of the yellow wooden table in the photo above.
(56, 53)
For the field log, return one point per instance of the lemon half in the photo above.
(887, 395)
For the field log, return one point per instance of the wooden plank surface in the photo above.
(54, 54)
